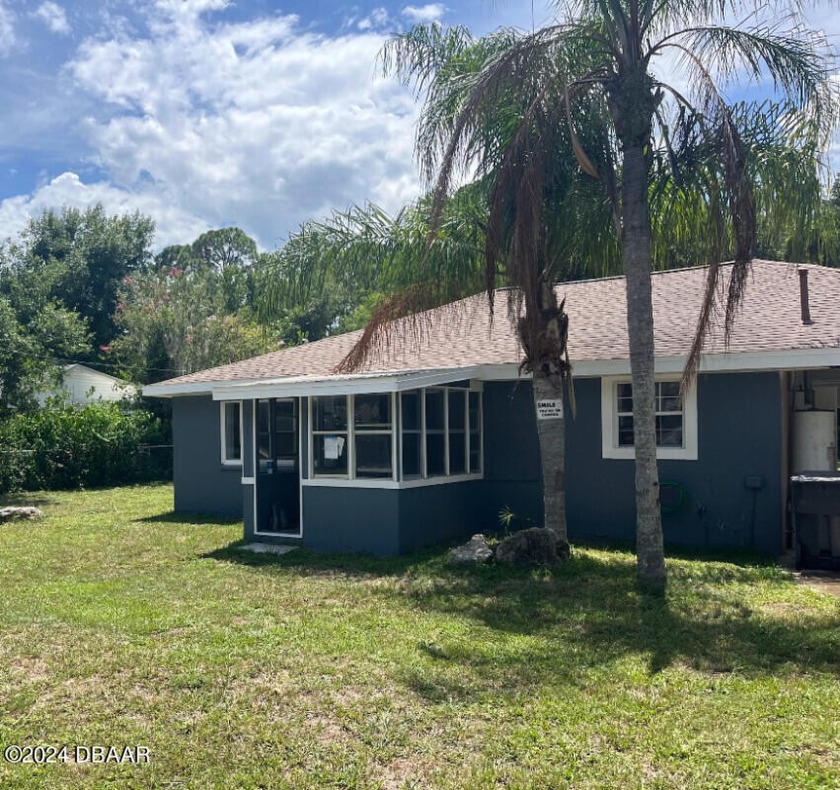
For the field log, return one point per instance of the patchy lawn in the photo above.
(123, 625)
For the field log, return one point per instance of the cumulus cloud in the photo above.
(375, 20)
(257, 123)
(174, 223)
(7, 29)
(423, 14)
(54, 17)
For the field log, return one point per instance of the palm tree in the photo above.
(639, 137)
(526, 220)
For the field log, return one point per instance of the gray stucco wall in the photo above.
(202, 483)
(739, 426)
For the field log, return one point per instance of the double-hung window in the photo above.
(231, 432)
(676, 419)
(330, 449)
(373, 434)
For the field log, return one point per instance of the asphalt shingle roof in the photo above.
(462, 334)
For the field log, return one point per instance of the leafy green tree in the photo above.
(78, 259)
(32, 338)
(219, 249)
(174, 322)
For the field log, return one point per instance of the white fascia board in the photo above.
(397, 381)
(164, 390)
(791, 359)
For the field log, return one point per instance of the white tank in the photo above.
(814, 438)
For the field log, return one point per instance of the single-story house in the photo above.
(435, 437)
(80, 384)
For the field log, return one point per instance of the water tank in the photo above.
(814, 437)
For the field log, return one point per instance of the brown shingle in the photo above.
(462, 334)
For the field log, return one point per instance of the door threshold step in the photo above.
(267, 548)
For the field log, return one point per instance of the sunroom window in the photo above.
(329, 436)
(440, 432)
(373, 426)
(432, 433)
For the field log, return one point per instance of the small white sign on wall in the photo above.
(549, 409)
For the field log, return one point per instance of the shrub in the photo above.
(71, 447)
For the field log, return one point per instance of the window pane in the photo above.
(475, 411)
(435, 460)
(411, 411)
(233, 432)
(284, 415)
(263, 433)
(434, 410)
(669, 396)
(286, 444)
(372, 411)
(457, 404)
(457, 453)
(669, 431)
(625, 432)
(330, 413)
(624, 393)
(410, 455)
(475, 452)
(373, 455)
(330, 454)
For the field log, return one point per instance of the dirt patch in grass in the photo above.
(827, 582)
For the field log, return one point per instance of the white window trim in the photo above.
(223, 432)
(609, 423)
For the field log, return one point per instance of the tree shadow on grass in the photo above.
(587, 612)
(193, 519)
(308, 563)
(590, 613)
(26, 499)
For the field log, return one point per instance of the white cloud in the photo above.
(423, 14)
(54, 17)
(376, 20)
(7, 29)
(258, 123)
(174, 224)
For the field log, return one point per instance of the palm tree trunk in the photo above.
(635, 244)
(552, 438)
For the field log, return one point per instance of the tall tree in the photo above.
(174, 321)
(597, 65)
(81, 257)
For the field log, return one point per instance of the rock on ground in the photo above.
(474, 550)
(534, 546)
(20, 514)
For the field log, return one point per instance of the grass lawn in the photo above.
(123, 625)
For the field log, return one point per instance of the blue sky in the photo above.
(205, 113)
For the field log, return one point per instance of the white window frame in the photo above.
(347, 433)
(223, 432)
(383, 429)
(609, 423)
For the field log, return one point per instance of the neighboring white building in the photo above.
(81, 384)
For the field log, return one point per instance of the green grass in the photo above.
(121, 624)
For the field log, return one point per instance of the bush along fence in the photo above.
(70, 447)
